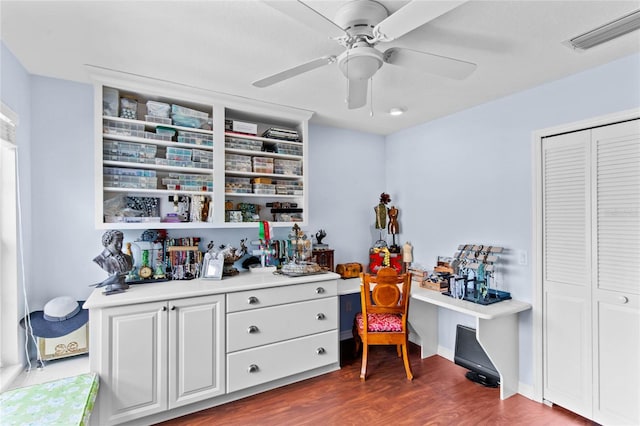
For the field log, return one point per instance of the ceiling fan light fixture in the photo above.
(395, 111)
(607, 32)
(360, 63)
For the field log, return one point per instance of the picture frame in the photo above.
(234, 216)
(212, 266)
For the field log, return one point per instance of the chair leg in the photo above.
(407, 366)
(363, 369)
(398, 349)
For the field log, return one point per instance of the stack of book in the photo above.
(282, 134)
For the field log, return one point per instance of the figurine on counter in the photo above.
(116, 263)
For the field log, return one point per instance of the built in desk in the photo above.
(496, 327)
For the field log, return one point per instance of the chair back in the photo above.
(386, 292)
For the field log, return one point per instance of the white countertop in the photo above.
(505, 307)
(152, 292)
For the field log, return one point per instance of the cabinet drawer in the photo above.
(257, 327)
(260, 298)
(255, 366)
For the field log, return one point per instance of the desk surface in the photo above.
(506, 307)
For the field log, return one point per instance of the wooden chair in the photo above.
(383, 320)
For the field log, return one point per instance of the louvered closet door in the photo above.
(567, 333)
(616, 290)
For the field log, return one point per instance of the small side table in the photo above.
(324, 258)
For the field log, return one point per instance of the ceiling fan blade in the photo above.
(411, 16)
(357, 96)
(292, 72)
(308, 16)
(430, 63)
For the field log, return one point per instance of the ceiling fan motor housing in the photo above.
(359, 17)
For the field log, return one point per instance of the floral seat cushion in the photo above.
(380, 322)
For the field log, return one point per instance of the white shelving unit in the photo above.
(219, 107)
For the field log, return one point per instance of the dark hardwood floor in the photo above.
(438, 395)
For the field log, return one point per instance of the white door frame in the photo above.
(538, 135)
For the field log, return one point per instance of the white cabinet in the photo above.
(168, 349)
(591, 292)
(278, 332)
(157, 356)
(164, 155)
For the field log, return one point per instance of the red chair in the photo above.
(383, 320)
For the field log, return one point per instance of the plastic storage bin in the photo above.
(128, 151)
(237, 185)
(195, 138)
(263, 188)
(129, 108)
(239, 143)
(238, 163)
(122, 128)
(263, 165)
(110, 98)
(158, 109)
(159, 120)
(289, 149)
(287, 167)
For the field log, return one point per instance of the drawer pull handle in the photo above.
(319, 290)
(253, 368)
(320, 316)
(623, 299)
(252, 300)
(252, 329)
(320, 351)
(164, 308)
(173, 308)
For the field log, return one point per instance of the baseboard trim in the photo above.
(8, 374)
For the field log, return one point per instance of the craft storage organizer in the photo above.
(166, 141)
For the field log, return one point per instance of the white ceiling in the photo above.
(226, 45)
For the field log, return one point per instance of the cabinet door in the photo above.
(196, 349)
(134, 370)
(616, 291)
(567, 275)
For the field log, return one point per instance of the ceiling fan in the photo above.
(359, 26)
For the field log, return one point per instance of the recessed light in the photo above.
(396, 111)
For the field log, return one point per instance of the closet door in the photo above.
(616, 266)
(567, 340)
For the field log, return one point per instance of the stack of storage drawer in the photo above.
(116, 177)
(129, 151)
(262, 165)
(287, 167)
(238, 163)
(260, 349)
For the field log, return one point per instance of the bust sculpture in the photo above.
(116, 263)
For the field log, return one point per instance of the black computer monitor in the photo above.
(470, 355)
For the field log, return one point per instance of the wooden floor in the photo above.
(438, 395)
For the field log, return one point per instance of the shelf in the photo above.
(195, 103)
